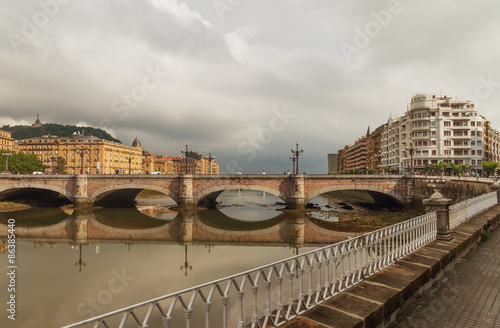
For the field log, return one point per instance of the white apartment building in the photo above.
(390, 144)
(434, 129)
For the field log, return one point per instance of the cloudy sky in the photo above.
(244, 79)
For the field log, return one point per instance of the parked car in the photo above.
(37, 172)
(155, 172)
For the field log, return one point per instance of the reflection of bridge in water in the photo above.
(208, 227)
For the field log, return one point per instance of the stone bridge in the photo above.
(189, 191)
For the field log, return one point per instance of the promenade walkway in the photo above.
(423, 289)
(466, 296)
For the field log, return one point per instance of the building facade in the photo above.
(374, 148)
(85, 154)
(7, 142)
(434, 129)
(193, 163)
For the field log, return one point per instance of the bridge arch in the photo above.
(101, 193)
(18, 186)
(218, 189)
(369, 188)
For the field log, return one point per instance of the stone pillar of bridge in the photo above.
(296, 199)
(441, 205)
(80, 198)
(496, 187)
(186, 227)
(80, 226)
(186, 192)
(409, 189)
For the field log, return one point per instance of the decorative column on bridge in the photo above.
(296, 199)
(81, 196)
(441, 205)
(186, 189)
(80, 226)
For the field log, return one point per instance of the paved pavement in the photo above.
(467, 296)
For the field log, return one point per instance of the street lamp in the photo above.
(82, 152)
(411, 150)
(7, 162)
(52, 158)
(292, 157)
(186, 158)
(296, 155)
(210, 158)
(129, 162)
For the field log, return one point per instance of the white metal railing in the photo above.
(461, 212)
(273, 294)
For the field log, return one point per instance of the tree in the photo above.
(60, 166)
(429, 168)
(458, 169)
(490, 167)
(441, 166)
(21, 163)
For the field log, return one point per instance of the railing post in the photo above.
(441, 205)
(496, 187)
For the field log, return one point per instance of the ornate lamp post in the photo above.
(7, 162)
(186, 158)
(292, 157)
(296, 155)
(210, 159)
(410, 151)
(82, 152)
(129, 162)
(52, 158)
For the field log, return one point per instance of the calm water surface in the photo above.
(60, 282)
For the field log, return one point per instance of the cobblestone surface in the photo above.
(467, 296)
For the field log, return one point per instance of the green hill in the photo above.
(26, 132)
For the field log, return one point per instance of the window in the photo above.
(473, 152)
(447, 142)
(473, 133)
(434, 153)
(447, 152)
(447, 123)
(478, 123)
(472, 123)
(447, 133)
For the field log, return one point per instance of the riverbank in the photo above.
(357, 212)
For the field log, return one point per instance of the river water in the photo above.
(59, 281)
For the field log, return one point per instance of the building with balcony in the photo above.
(434, 129)
(390, 143)
(85, 154)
